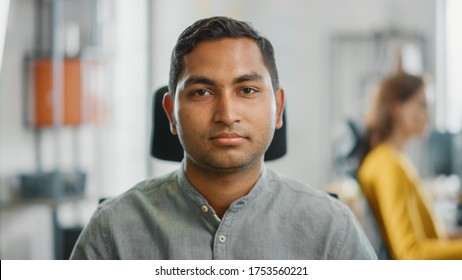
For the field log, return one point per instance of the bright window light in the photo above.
(4, 8)
(454, 65)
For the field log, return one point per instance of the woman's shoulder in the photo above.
(383, 154)
(385, 151)
(381, 158)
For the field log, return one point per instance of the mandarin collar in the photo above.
(195, 196)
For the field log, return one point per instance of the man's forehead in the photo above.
(230, 58)
(228, 41)
(225, 49)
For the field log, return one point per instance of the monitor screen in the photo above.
(439, 147)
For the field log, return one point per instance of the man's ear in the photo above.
(280, 103)
(167, 103)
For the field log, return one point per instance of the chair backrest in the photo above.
(166, 146)
(348, 160)
(349, 148)
(373, 232)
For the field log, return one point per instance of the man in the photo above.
(224, 102)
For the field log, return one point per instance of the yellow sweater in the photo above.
(391, 185)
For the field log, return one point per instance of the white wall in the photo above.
(16, 146)
(26, 230)
(300, 31)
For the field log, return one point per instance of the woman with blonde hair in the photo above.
(389, 180)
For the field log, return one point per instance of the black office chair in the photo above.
(166, 146)
(350, 149)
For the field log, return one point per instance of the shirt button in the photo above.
(222, 238)
(204, 208)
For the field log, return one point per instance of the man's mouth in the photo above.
(228, 139)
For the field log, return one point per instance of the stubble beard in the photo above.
(226, 160)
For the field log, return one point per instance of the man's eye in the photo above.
(248, 90)
(200, 92)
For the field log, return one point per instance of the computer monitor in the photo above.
(457, 154)
(439, 148)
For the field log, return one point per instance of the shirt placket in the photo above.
(222, 243)
(222, 239)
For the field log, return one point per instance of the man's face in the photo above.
(225, 110)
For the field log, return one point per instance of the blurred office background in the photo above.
(77, 78)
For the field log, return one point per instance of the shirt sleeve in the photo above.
(396, 199)
(95, 242)
(352, 243)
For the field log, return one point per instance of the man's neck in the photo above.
(220, 189)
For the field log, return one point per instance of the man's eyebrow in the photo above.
(248, 77)
(199, 80)
(193, 80)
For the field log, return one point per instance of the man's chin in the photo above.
(229, 164)
(227, 167)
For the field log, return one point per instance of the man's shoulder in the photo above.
(291, 185)
(307, 196)
(320, 216)
(148, 190)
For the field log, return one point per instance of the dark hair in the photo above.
(216, 28)
(393, 90)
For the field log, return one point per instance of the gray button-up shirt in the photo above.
(166, 218)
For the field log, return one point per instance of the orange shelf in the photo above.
(72, 92)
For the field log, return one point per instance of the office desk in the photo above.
(445, 195)
(52, 204)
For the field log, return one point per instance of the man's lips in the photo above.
(228, 139)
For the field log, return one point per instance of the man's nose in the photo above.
(227, 109)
